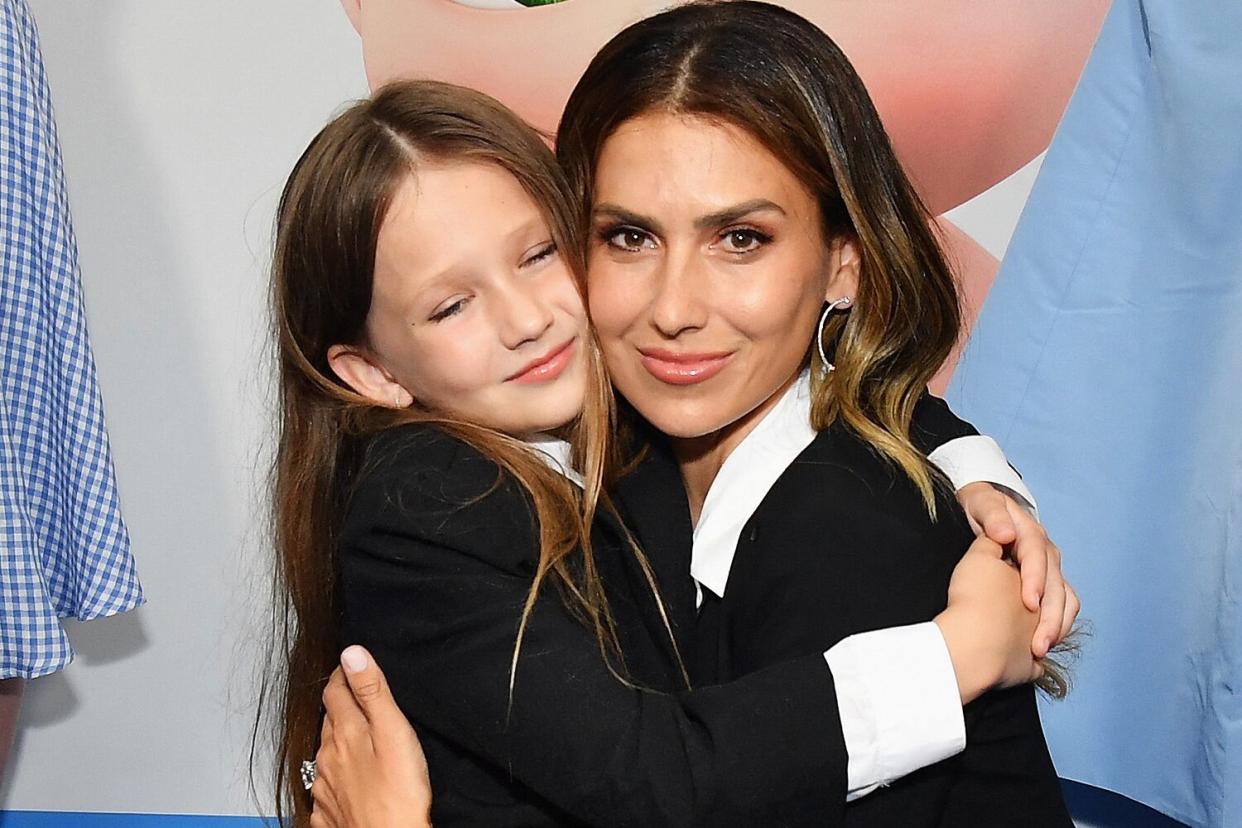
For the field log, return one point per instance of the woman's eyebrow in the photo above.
(728, 215)
(738, 211)
(625, 216)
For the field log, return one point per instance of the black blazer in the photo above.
(842, 544)
(436, 556)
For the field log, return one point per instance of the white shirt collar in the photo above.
(747, 475)
(557, 453)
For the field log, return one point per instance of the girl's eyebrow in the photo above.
(530, 225)
(457, 272)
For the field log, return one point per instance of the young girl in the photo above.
(441, 497)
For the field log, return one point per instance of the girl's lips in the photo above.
(682, 369)
(546, 368)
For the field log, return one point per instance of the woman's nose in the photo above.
(679, 303)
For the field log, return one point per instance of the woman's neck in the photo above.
(701, 458)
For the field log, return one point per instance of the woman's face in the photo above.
(708, 269)
(474, 312)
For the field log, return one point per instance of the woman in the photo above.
(799, 235)
(427, 374)
(722, 224)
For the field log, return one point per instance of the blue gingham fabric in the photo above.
(64, 549)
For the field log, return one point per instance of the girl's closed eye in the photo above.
(542, 253)
(445, 310)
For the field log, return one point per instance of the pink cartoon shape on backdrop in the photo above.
(969, 92)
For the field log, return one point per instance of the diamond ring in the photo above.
(308, 773)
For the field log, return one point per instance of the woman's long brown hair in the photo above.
(782, 80)
(327, 226)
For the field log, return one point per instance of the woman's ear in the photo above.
(358, 368)
(844, 264)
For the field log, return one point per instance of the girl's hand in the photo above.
(1001, 519)
(370, 768)
(985, 625)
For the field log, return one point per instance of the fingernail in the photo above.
(354, 659)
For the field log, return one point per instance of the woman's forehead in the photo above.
(706, 160)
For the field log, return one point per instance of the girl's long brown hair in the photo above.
(327, 226)
(782, 80)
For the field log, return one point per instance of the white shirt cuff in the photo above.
(899, 703)
(978, 459)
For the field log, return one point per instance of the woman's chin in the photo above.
(681, 422)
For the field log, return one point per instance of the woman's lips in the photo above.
(547, 367)
(682, 368)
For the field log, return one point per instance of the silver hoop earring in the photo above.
(827, 367)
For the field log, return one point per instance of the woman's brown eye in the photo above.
(741, 240)
(627, 239)
(744, 241)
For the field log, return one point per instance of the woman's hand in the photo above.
(986, 626)
(370, 768)
(1001, 519)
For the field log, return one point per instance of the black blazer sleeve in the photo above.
(436, 559)
(898, 573)
(935, 424)
(868, 556)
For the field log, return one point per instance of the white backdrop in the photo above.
(178, 122)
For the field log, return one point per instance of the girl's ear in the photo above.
(358, 368)
(844, 266)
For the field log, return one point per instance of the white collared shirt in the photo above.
(558, 454)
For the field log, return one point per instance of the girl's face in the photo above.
(474, 313)
(708, 269)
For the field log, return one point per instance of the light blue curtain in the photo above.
(1108, 362)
